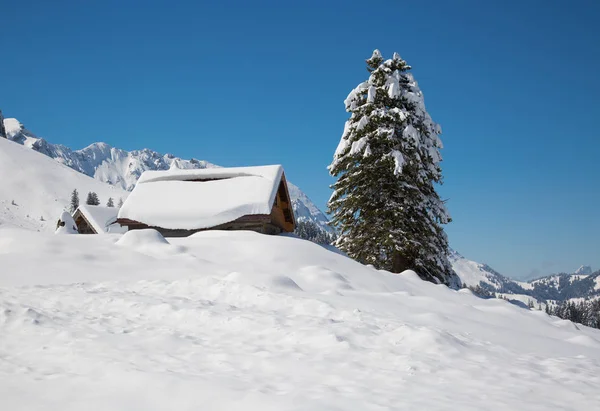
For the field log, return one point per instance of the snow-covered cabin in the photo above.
(91, 219)
(178, 203)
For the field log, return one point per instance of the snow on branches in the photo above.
(387, 162)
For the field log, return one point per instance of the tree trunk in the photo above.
(399, 262)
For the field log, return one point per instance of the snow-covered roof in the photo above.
(272, 173)
(203, 198)
(99, 217)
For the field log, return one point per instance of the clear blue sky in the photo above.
(514, 84)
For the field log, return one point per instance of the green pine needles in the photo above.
(384, 205)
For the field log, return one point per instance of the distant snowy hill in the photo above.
(567, 286)
(123, 168)
(99, 160)
(474, 274)
(584, 270)
(556, 287)
(35, 189)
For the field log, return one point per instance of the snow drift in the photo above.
(239, 320)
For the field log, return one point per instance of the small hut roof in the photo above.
(99, 217)
(197, 199)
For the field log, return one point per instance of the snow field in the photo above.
(238, 320)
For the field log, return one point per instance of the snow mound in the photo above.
(149, 241)
(137, 238)
(285, 282)
(321, 279)
(585, 340)
(142, 238)
(66, 224)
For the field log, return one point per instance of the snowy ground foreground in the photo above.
(237, 320)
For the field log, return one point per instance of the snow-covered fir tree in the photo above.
(120, 204)
(585, 312)
(74, 201)
(110, 202)
(92, 199)
(384, 204)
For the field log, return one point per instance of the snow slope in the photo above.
(34, 189)
(238, 320)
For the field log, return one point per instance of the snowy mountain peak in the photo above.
(306, 210)
(100, 160)
(583, 270)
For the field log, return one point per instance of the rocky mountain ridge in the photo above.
(555, 287)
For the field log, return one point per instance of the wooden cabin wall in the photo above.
(281, 214)
(278, 219)
(281, 219)
(263, 228)
(259, 223)
(83, 227)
